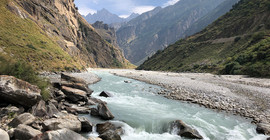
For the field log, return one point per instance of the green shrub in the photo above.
(23, 71)
(233, 68)
(257, 37)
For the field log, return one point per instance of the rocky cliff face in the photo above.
(155, 30)
(61, 23)
(106, 32)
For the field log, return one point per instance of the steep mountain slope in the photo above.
(107, 17)
(237, 43)
(52, 35)
(203, 22)
(143, 38)
(106, 32)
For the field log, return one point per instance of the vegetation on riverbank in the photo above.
(24, 71)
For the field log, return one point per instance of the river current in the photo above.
(145, 115)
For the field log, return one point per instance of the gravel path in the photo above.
(248, 97)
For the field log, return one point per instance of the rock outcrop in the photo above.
(180, 128)
(16, 91)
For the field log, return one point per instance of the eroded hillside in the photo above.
(52, 35)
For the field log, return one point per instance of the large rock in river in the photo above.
(62, 134)
(16, 91)
(110, 135)
(63, 120)
(105, 94)
(108, 126)
(104, 112)
(4, 135)
(181, 129)
(74, 95)
(86, 125)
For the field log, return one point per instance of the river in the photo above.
(145, 115)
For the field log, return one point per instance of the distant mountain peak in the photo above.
(107, 17)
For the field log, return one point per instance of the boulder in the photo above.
(63, 120)
(43, 109)
(39, 109)
(61, 134)
(25, 118)
(25, 132)
(108, 126)
(105, 94)
(110, 135)
(104, 112)
(4, 135)
(51, 109)
(80, 86)
(127, 81)
(86, 125)
(74, 95)
(70, 78)
(268, 138)
(263, 129)
(16, 91)
(181, 129)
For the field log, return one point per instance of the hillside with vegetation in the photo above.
(155, 30)
(236, 43)
(52, 36)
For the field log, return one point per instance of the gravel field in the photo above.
(239, 95)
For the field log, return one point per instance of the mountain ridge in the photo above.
(107, 17)
(142, 38)
(236, 43)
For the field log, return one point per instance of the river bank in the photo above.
(247, 97)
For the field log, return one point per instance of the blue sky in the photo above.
(123, 8)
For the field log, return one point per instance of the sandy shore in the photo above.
(248, 97)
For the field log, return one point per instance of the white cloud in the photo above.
(142, 9)
(170, 2)
(124, 16)
(85, 11)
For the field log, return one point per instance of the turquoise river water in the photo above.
(145, 115)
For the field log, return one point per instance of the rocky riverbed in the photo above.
(239, 95)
